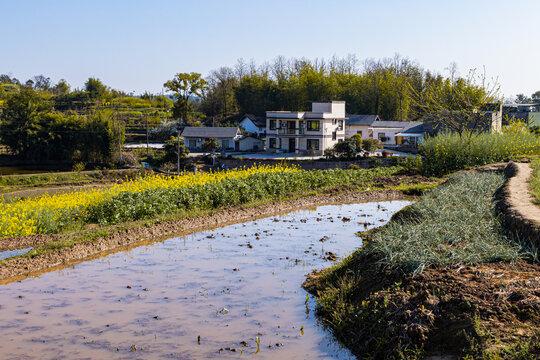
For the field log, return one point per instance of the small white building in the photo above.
(305, 132)
(253, 124)
(249, 143)
(359, 124)
(195, 136)
(372, 127)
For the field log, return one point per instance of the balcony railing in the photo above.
(287, 131)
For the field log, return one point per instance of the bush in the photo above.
(448, 152)
(370, 145)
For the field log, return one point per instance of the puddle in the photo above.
(9, 253)
(210, 294)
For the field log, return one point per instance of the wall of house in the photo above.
(228, 142)
(337, 108)
(249, 126)
(351, 130)
(388, 133)
(249, 144)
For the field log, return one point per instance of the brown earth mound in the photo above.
(461, 311)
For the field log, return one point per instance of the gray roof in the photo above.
(210, 132)
(394, 124)
(361, 119)
(418, 128)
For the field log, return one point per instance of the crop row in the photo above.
(153, 195)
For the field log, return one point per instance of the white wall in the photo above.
(249, 126)
(351, 130)
(249, 143)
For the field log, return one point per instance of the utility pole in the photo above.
(118, 129)
(147, 143)
(178, 149)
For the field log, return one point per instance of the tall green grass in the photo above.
(453, 224)
(535, 179)
(448, 152)
(230, 192)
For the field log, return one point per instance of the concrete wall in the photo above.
(337, 108)
(249, 144)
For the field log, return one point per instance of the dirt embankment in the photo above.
(450, 311)
(472, 311)
(20, 267)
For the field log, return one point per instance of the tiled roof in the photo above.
(210, 132)
(361, 119)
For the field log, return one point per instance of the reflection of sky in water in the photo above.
(228, 286)
(9, 253)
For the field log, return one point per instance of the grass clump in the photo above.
(535, 179)
(453, 224)
(448, 152)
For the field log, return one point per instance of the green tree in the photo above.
(19, 120)
(210, 145)
(171, 149)
(184, 86)
(101, 138)
(370, 145)
(96, 90)
(347, 149)
(457, 104)
(61, 88)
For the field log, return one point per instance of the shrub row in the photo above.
(152, 202)
(448, 152)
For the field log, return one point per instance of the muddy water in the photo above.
(211, 294)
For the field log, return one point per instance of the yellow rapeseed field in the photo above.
(50, 213)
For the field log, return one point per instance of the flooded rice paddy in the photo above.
(223, 293)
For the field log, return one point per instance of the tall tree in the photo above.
(95, 89)
(183, 87)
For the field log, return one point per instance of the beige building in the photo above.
(300, 132)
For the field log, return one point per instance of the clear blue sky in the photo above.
(137, 45)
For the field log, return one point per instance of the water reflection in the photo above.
(222, 293)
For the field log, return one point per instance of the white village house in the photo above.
(254, 125)
(194, 136)
(372, 127)
(304, 132)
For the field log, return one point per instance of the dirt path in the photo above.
(521, 215)
(21, 267)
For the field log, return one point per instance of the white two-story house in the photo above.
(306, 132)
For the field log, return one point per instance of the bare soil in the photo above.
(459, 311)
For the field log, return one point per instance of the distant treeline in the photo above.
(381, 87)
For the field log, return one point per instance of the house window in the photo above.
(334, 121)
(313, 125)
(340, 125)
(272, 143)
(382, 137)
(272, 124)
(334, 135)
(225, 144)
(313, 144)
(192, 143)
(340, 140)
